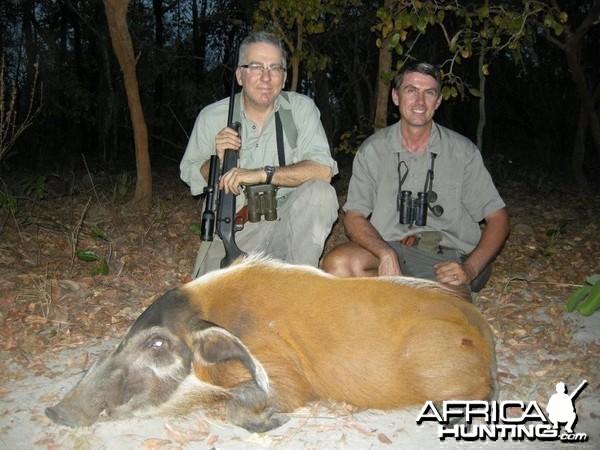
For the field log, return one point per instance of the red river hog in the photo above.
(262, 338)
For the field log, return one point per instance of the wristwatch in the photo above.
(269, 170)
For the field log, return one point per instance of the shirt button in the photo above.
(254, 127)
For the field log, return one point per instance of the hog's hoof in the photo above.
(56, 415)
(257, 421)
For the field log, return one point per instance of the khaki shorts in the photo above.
(419, 264)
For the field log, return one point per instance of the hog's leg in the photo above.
(249, 409)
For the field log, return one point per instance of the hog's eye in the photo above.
(157, 343)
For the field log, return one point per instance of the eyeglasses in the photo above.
(258, 69)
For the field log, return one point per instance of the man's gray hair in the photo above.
(421, 67)
(261, 37)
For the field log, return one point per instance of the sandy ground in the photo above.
(23, 424)
(552, 248)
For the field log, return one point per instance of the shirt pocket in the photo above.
(449, 194)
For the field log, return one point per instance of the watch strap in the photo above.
(269, 170)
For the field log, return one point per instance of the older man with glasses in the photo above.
(294, 156)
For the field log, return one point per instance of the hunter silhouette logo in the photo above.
(561, 406)
(507, 420)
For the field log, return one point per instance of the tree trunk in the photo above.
(199, 39)
(116, 12)
(579, 150)
(294, 48)
(295, 52)
(322, 92)
(482, 116)
(383, 86)
(159, 42)
(571, 47)
(106, 103)
(584, 94)
(577, 157)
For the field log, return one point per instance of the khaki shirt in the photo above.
(258, 149)
(463, 185)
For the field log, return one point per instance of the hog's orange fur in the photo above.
(371, 342)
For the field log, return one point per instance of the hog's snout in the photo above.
(68, 416)
(99, 390)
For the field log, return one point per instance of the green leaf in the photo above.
(87, 255)
(563, 17)
(475, 92)
(484, 11)
(558, 29)
(577, 297)
(104, 267)
(593, 279)
(9, 201)
(100, 269)
(590, 304)
(97, 233)
(446, 92)
(123, 184)
(196, 228)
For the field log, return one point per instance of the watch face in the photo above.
(269, 170)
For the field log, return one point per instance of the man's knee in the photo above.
(319, 188)
(336, 263)
(318, 194)
(347, 260)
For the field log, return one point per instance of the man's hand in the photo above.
(236, 177)
(497, 225)
(227, 139)
(452, 273)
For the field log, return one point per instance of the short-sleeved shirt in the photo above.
(463, 185)
(258, 149)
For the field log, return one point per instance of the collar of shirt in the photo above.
(280, 102)
(434, 144)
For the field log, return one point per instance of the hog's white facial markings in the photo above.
(156, 350)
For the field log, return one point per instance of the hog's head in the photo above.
(154, 369)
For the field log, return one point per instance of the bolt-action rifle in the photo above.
(219, 207)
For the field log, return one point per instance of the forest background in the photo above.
(115, 86)
(97, 99)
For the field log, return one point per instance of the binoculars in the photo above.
(261, 202)
(415, 209)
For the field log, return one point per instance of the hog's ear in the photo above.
(215, 344)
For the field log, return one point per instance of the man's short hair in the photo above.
(420, 67)
(262, 37)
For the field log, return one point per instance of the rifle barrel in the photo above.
(227, 210)
(233, 83)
